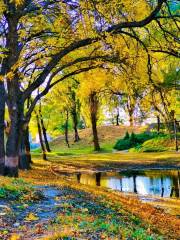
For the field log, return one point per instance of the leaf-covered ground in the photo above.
(43, 205)
(67, 213)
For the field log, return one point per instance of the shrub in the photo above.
(135, 140)
(157, 144)
(122, 144)
(127, 142)
(126, 136)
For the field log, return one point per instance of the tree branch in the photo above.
(49, 86)
(117, 28)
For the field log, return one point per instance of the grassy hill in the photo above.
(108, 135)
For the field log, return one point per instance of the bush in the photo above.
(127, 142)
(135, 140)
(157, 144)
(122, 144)
(126, 136)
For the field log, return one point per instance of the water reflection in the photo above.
(156, 182)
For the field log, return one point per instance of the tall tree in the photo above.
(44, 131)
(92, 86)
(41, 137)
(94, 104)
(74, 109)
(2, 127)
(66, 128)
(46, 35)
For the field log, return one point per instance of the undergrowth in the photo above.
(136, 140)
(17, 189)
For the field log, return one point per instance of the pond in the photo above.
(162, 183)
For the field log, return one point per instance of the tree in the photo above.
(66, 102)
(92, 85)
(44, 131)
(74, 109)
(66, 128)
(93, 103)
(2, 113)
(41, 136)
(25, 47)
(45, 36)
(160, 98)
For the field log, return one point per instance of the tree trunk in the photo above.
(131, 119)
(45, 136)
(130, 107)
(44, 130)
(75, 123)
(158, 124)
(74, 115)
(93, 111)
(14, 100)
(24, 151)
(66, 129)
(117, 118)
(13, 140)
(41, 138)
(175, 136)
(2, 112)
(28, 146)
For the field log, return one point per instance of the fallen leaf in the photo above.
(31, 217)
(15, 237)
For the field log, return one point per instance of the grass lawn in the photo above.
(108, 136)
(117, 160)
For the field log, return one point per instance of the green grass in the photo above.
(111, 161)
(157, 144)
(82, 153)
(108, 135)
(76, 149)
(137, 140)
(17, 189)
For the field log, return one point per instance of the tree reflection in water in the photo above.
(163, 183)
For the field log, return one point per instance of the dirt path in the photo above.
(69, 213)
(31, 218)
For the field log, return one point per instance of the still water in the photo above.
(163, 183)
